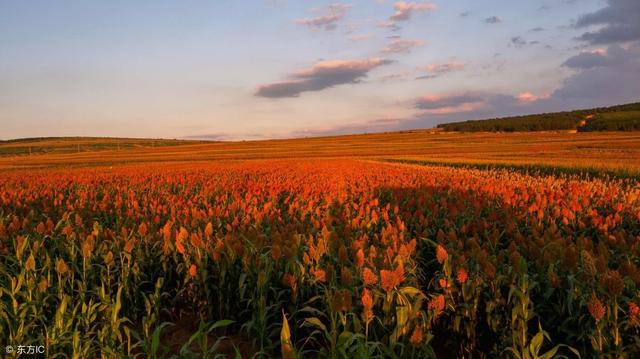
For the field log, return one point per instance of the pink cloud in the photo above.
(435, 70)
(404, 10)
(387, 25)
(402, 46)
(527, 97)
(330, 16)
(473, 101)
(333, 66)
(442, 68)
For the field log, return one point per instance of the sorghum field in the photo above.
(318, 258)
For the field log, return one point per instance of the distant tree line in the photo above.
(614, 118)
(614, 121)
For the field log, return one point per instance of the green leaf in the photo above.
(220, 324)
(402, 315)
(116, 309)
(155, 338)
(550, 354)
(238, 353)
(411, 291)
(536, 343)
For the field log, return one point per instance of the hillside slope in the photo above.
(614, 118)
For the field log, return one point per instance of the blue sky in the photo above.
(224, 69)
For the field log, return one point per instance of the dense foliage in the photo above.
(568, 120)
(342, 258)
(614, 121)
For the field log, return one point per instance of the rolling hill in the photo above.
(611, 151)
(65, 145)
(614, 118)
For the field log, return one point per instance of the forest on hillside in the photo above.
(614, 118)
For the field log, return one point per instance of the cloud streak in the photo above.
(405, 10)
(492, 20)
(436, 70)
(402, 46)
(518, 42)
(330, 16)
(322, 75)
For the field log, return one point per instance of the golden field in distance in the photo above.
(66, 145)
(594, 150)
